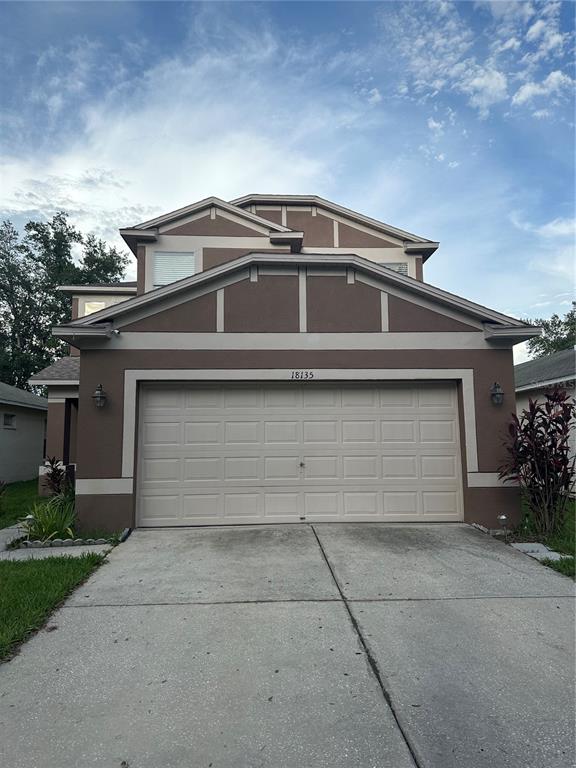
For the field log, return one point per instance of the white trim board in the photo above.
(487, 480)
(133, 376)
(100, 486)
(303, 340)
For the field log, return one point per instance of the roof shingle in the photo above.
(560, 365)
(10, 395)
(65, 369)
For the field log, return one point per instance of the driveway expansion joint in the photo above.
(369, 655)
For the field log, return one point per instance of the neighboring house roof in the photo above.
(93, 324)
(128, 287)
(63, 371)
(547, 370)
(428, 246)
(13, 396)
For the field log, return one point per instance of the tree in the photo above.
(32, 265)
(557, 334)
(538, 458)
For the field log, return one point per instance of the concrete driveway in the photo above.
(365, 646)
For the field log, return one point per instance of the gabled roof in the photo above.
(100, 323)
(556, 368)
(201, 205)
(10, 395)
(406, 237)
(65, 371)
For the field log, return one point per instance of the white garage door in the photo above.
(284, 452)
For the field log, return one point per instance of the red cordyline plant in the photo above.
(539, 458)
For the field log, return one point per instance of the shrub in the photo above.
(51, 520)
(55, 478)
(539, 458)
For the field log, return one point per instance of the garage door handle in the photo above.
(302, 464)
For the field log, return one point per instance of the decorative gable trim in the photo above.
(369, 272)
(207, 203)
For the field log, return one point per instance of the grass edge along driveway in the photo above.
(30, 590)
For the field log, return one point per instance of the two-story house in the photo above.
(281, 359)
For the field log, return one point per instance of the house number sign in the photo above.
(301, 375)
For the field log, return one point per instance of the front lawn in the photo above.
(16, 501)
(31, 589)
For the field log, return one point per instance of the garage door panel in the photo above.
(321, 468)
(320, 431)
(441, 431)
(202, 432)
(242, 468)
(398, 431)
(162, 433)
(282, 505)
(279, 452)
(161, 470)
(357, 467)
(438, 467)
(399, 468)
(247, 432)
(401, 503)
(282, 432)
(282, 468)
(358, 431)
(207, 469)
(440, 503)
(361, 504)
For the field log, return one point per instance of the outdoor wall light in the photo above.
(99, 397)
(496, 394)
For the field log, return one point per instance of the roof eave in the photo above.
(16, 404)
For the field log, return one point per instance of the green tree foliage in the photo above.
(558, 333)
(32, 265)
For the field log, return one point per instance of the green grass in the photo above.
(31, 589)
(16, 501)
(566, 566)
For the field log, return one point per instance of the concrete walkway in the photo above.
(321, 646)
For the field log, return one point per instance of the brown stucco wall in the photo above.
(212, 257)
(100, 430)
(197, 315)
(99, 451)
(219, 226)
(269, 305)
(350, 237)
(105, 512)
(141, 269)
(335, 306)
(419, 264)
(318, 230)
(55, 430)
(270, 215)
(405, 316)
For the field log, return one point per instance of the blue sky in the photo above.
(451, 120)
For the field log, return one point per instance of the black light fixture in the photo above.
(496, 394)
(99, 397)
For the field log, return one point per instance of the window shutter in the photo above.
(170, 266)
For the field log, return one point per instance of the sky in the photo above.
(451, 120)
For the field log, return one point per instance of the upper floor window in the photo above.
(9, 421)
(93, 306)
(400, 266)
(170, 266)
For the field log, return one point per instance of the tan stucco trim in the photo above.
(112, 485)
(133, 377)
(130, 340)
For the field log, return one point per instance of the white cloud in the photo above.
(553, 85)
(486, 88)
(536, 30)
(558, 228)
(374, 96)
(436, 126)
